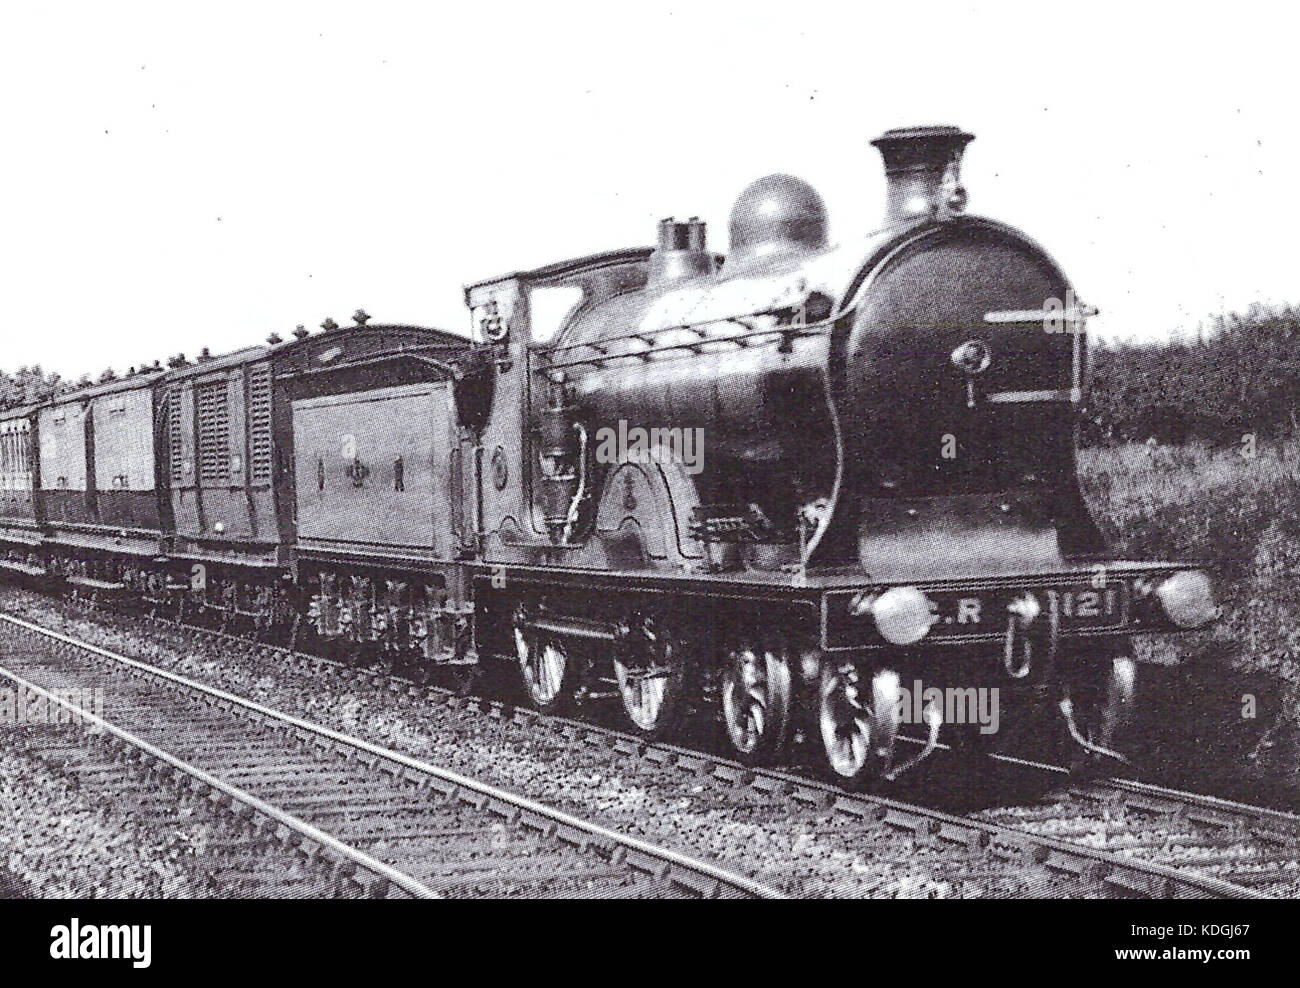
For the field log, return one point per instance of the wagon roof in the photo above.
(17, 412)
(224, 361)
(346, 334)
(131, 382)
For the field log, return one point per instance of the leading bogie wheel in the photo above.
(545, 665)
(857, 718)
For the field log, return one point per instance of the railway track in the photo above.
(389, 824)
(1251, 846)
(1152, 842)
(214, 853)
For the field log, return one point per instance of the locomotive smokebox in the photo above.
(923, 172)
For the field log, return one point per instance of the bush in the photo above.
(26, 386)
(1242, 377)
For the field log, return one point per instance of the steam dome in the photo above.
(775, 215)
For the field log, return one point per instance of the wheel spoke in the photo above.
(755, 701)
(552, 672)
(647, 670)
(851, 732)
(543, 663)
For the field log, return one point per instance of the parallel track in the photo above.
(222, 853)
(1091, 870)
(413, 828)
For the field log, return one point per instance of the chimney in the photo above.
(923, 173)
(681, 252)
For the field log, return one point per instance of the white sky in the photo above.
(177, 175)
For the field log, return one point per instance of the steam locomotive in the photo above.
(790, 484)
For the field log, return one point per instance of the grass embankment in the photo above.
(1241, 517)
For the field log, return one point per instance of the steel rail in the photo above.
(301, 827)
(559, 817)
(1214, 805)
(776, 779)
(1119, 785)
(947, 822)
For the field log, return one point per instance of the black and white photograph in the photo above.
(575, 450)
